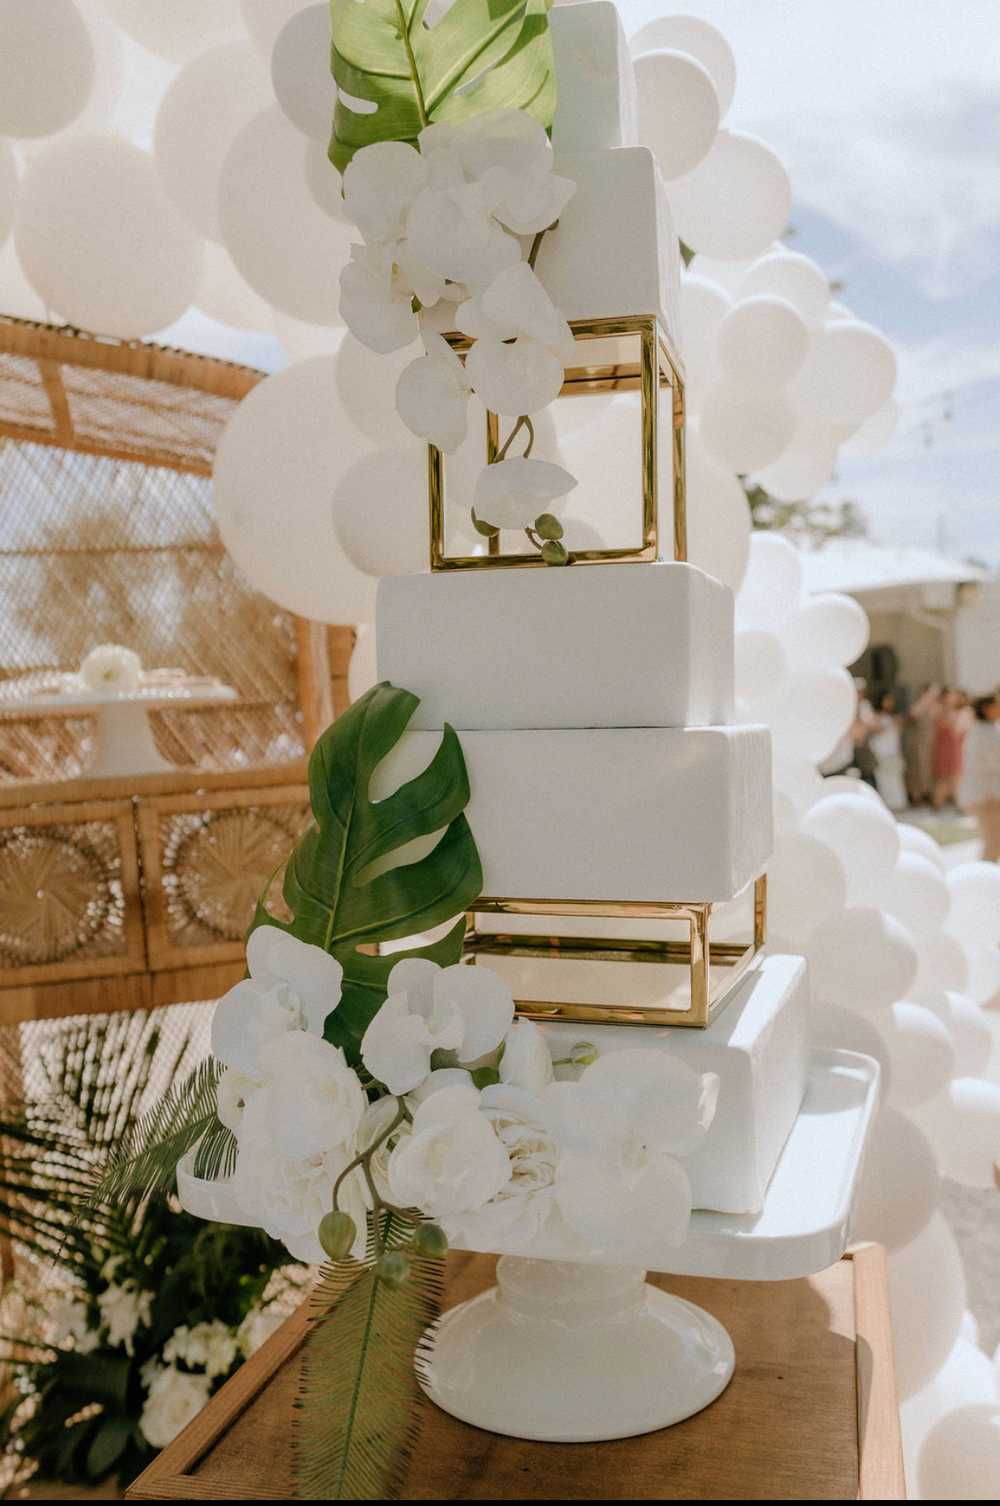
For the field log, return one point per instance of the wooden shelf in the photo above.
(811, 1413)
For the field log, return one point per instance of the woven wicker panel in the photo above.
(68, 892)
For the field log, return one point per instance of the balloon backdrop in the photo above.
(300, 73)
(736, 201)
(697, 39)
(177, 29)
(47, 66)
(678, 109)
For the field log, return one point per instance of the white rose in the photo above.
(174, 1400)
(453, 1161)
(257, 1327)
(110, 666)
(311, 1099)
(292, 986)
(514, 1217)
(210, 1346)
(124, 1309)
(526, 1062)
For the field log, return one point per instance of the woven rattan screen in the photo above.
(107, 535)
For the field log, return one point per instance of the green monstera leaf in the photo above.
(337, 885)
(481, 55)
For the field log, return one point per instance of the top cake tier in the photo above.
(648, 645)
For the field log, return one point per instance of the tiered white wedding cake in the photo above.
(594, 704)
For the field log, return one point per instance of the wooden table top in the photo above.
(810, 1414)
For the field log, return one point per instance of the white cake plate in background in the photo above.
(123, 736)
(571, 1352)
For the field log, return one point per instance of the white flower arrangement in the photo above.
(445, 229)
(111, 667)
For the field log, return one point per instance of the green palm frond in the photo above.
(359, 1405)
(146, 1162)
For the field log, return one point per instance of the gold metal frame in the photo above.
(657, 366)
(700, 953)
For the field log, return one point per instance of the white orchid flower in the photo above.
(462, 1009)
(513, 493)
(515, 379)
(292, 986)
(526, 1063)
(432, 395)
(516, 303)
(380, 184)
(376, 300)
(510, 153)
(453, 1161)
(620, 1129)
(452, 232)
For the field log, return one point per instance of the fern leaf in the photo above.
(359, 1406)
(147, 1161)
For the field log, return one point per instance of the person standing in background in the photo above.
(979, 787)
(949, 735)
(886, 745)
(917, 737)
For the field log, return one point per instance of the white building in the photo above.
(939, 617)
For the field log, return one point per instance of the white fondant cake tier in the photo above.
(597, 101)
(614, 251)
(636, 813)
(588, 646)
(760, 1049)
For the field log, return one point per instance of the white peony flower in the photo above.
(512, 493)
(174, 1400)
(311, 1101)
(292, 986)
(71, 1324)
(522, 377)
(517, 1213)
(209, 1346)
(526, 1062)
(619, 1131)
(516, 303)
(462, 1009)
(257, 1327)
(110, 666)
(124, 1309)
(376, 300)
(453, 1161)
(380, 183)
(432, 395)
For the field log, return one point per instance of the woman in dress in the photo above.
(979, 788)
(917, 733)
(886, 745)
(949, 735)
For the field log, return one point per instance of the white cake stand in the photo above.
(123, 736)
(567, 1352)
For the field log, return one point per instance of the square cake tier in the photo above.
(589, 646)
(760, 1049)
(597, 99)
(636, 813)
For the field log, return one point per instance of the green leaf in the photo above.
(107, 1446)
(147, 1160)
(359, 1402)
(481, 55)
(337, 882)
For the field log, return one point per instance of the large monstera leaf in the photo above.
(333, 886)
(481, 55)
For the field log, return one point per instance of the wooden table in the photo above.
(811, 1413)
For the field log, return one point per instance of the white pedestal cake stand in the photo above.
(566, 1352)
(123, 736)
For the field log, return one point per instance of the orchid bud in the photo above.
(337, 1233)
(432, 1241)
(393, 1269)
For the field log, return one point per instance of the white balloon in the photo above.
(826, 631)
(703, 306)
(200, 116)
(849, 784)
(814, 713)
(772, 583)
(848, 375)
(8, 191)
(224, 295)
(917, 893)
(264, 20)
(100, 241)
(805, 883)
(718, 517)
(692, 35)
(366, 386)
(288, 250)
(300, 72)
(943, 965)
(177, 29)
(805, 467)
(276, 469)
(744, 429)
(46, 66)
(760, 666)
(927, 1283)
(786, 274)
(17, 296)
(861, 958)
(797, 779)
(960, 1457)
(108, 44)
(302, 340)
(983, 980)
(727, 275)
(380, 512)
(915, 839)
(969, 1029)
(863, 834)
(964, 1377)
(762, 339)
(922, 1052)
(975, 902)
(874, 434)
(362, 672)
(326, 185)
(899, 1184)
(963, 1125)
(678, 109)
(735, 202)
